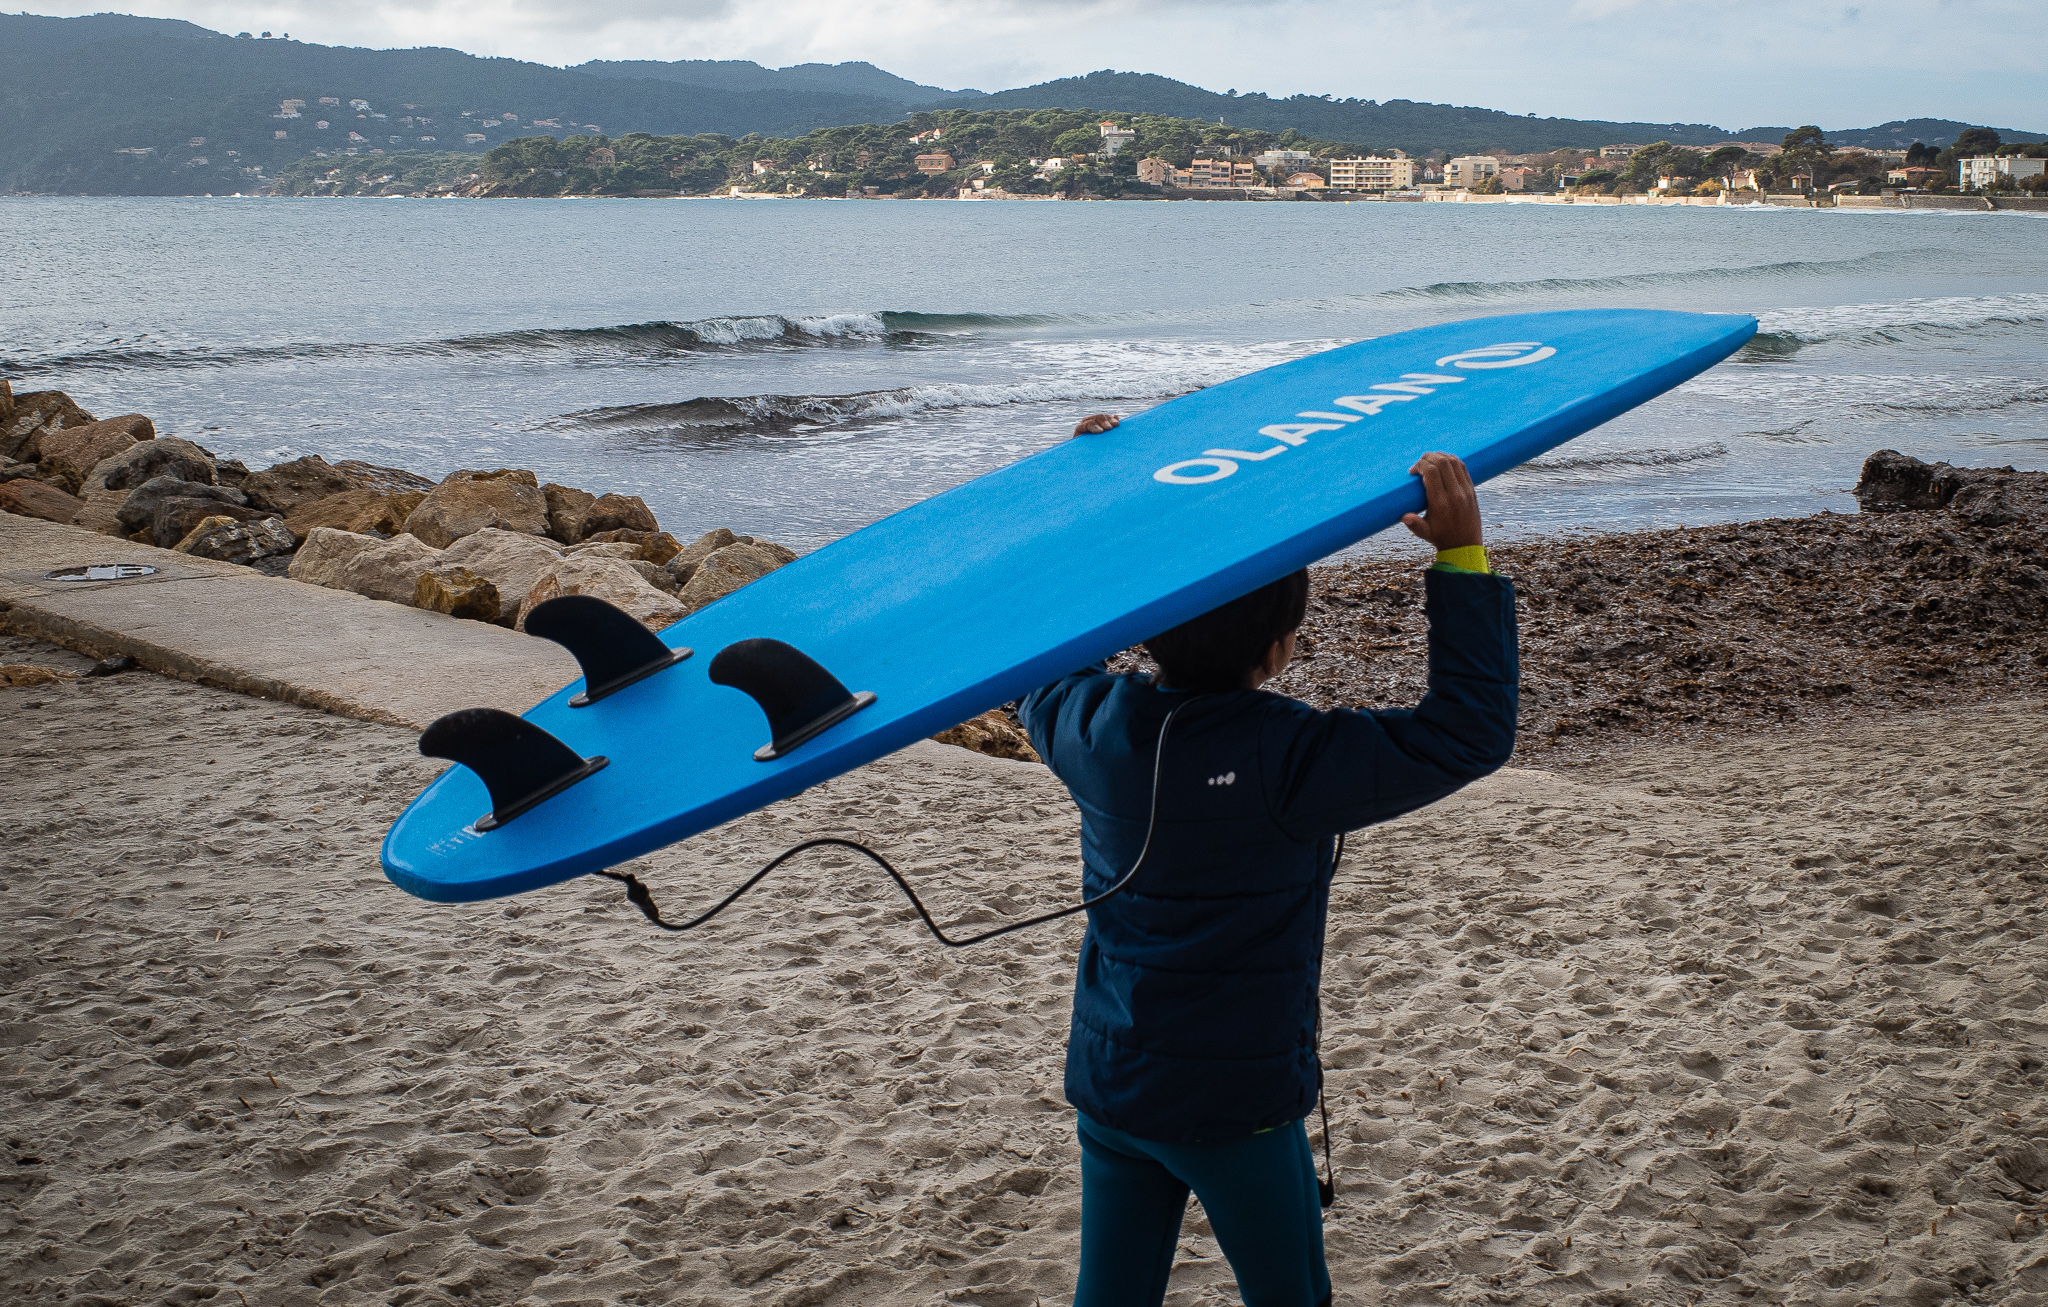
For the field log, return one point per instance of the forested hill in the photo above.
(742, 75)
(1418, 128)
(113, 104)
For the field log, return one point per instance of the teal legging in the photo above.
(1260, 1195)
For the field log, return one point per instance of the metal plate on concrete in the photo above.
(100, 572)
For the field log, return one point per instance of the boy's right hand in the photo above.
(1096, 423)
(1451, 518)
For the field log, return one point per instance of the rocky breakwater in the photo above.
(485, 545)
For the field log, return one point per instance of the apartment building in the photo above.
(1222, 172)
(1468, 170)
(1372, 173)
(1291, 160)
(1981, 172)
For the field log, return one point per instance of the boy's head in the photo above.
(1221, 649)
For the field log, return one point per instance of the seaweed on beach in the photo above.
(1936, 594)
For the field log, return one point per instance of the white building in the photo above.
(1468, 170)
(1372, 173)
(1979, 173)
(1291, 160)
(1115, 138)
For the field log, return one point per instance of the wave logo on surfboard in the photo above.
(1216, 464)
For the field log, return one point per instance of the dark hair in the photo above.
(1217, 650)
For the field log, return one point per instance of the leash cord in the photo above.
(641, 898)
(1326, 1184)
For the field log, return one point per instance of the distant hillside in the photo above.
(1407, 125)
(1902, 133)
(117, 105)
(860, 79)
(111, 105)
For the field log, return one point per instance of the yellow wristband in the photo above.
(1465, 558)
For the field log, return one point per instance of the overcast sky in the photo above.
(1735, 63)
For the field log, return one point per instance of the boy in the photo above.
(1192, 1058)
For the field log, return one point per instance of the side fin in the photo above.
(519, 763)
(612, 648)
(800, 697)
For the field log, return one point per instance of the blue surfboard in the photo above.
(974, 597)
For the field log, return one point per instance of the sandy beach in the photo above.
(1751, 1019)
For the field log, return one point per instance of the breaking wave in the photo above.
(1783, 332)
(628, 342)
(1489, 290)
(1630, 458)
(798, 416)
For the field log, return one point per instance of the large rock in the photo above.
(726, 570)
(166, 456)
(992, 733)
(74, 452)
(610, 579)
(510, 560)
(623, 550)
(686, 559)
(138, 510)
(656, 547)
(102, 511)
(657, 577)
(363, 511)
(39, 499)
(567, 507)
(32, 414)
(455, 590)
(226, 540)
(618, 513)
(381, 569)
(1983, 496)
(508, 499)
(287, 486)
(177, 518)
(110, 483)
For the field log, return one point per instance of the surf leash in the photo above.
(639, 895)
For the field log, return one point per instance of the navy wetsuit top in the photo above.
(1195, 999)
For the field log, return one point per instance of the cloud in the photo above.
(1738, 63)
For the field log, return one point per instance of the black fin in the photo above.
(519, 763)
(800, 697)
(611, 647)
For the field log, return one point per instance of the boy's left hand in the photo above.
(1451, 518)
(1097, 423)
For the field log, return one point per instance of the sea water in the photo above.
(798, 369)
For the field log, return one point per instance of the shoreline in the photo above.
(1936, 592)
(1858, 203)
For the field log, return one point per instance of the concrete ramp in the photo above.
(234, 628)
